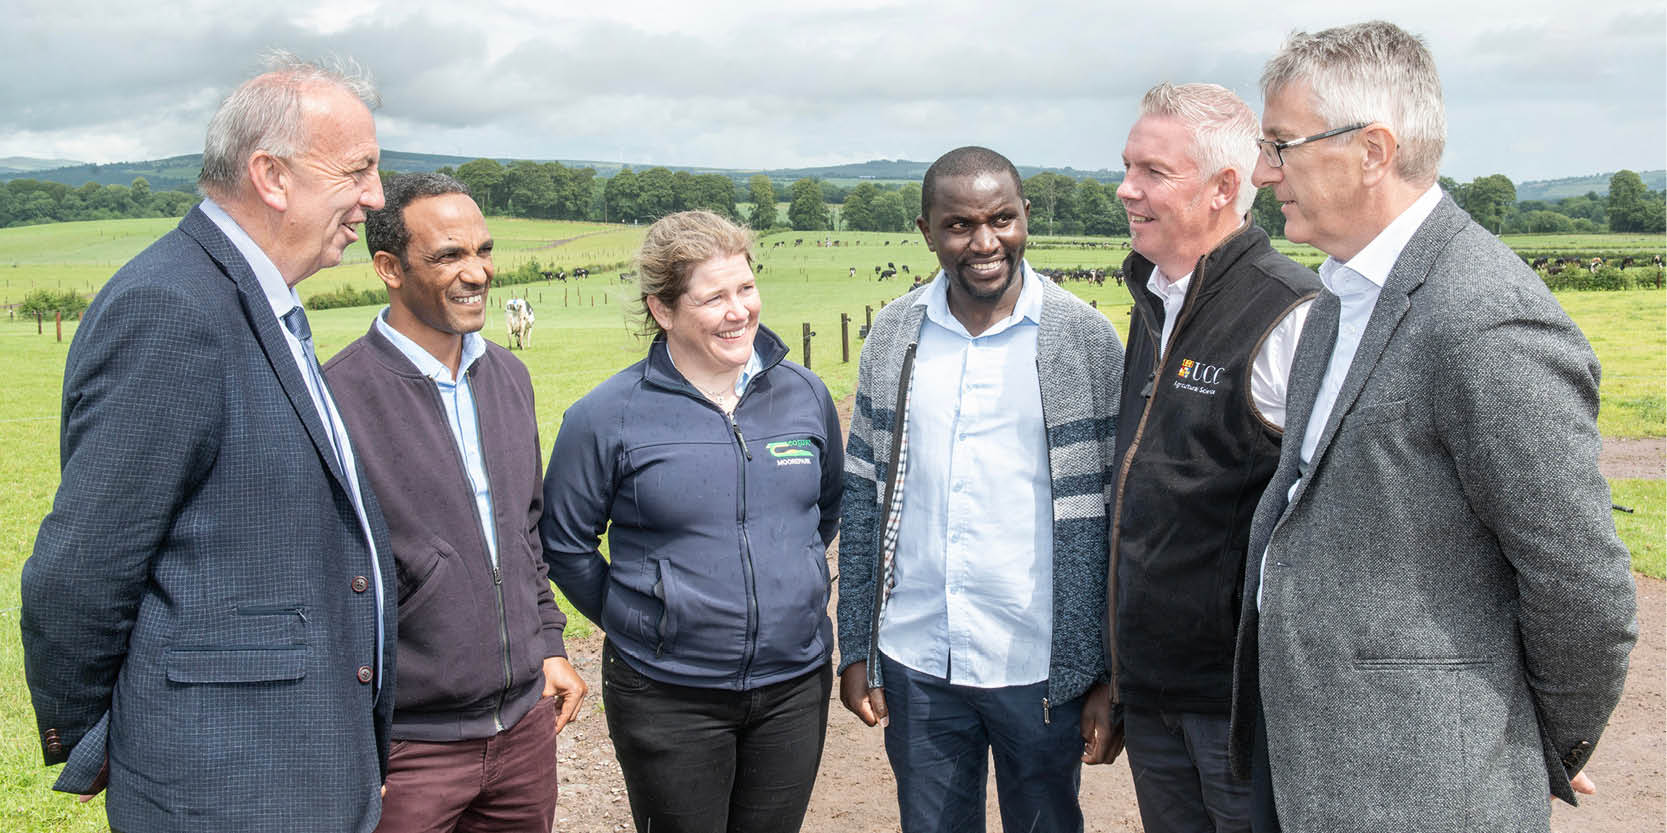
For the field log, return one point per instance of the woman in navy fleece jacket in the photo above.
(715, 467)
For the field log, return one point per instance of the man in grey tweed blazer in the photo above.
(208, 616)
(1437, 612)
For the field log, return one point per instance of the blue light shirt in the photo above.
(973, 601)
(282, 298)
(459, 400)
(1357, 284)
(748, 371)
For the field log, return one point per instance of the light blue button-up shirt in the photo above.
(282, 298)
(1357, 284)
(973, 601)
(458, 397)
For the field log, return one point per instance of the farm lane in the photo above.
(1642, 458)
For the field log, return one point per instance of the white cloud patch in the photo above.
(1533, 91)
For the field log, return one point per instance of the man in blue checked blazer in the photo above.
(208, 616)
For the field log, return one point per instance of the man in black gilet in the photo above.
(1216, 320)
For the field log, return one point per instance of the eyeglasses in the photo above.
(1273, 150)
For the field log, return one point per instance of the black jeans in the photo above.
(700, 760)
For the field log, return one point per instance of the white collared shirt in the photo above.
(282, 298)
(973, 601)
(1272, 365)
(1357, 284)
(457, 397)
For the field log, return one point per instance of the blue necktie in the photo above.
(296, 322)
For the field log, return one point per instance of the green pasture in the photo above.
(584, 334)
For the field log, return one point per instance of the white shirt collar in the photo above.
(1027, 307)
(281, 296)
(473, 348)
(1163, 288)
(1376, 260)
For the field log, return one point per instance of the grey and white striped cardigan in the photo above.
(1080, 367)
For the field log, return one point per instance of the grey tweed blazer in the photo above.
(1446, 612)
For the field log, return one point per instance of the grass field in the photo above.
(582, 337)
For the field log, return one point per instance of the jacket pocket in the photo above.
(1378, 412)
(415, 570)
(235, 665)
(665, 590)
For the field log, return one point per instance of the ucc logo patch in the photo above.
(792, 452)
(1199, 377)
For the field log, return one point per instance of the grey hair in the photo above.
(264, 114)
(1224, 130)
(1370, 72)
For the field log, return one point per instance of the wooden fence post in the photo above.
(868, 317)
(38, 329)
(58, 316)
(808, 334)
(845, 338)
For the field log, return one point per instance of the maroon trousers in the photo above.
(502, 784)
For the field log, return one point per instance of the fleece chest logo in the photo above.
(792, 452)
(1198, 377)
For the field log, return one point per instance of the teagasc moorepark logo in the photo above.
(792, 452)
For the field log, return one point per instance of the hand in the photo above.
(868, 704)
(1583, 784)
(561, 681)
(99, 783)
(1102, 732)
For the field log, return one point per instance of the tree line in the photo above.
(26, 202)
(1060, 204)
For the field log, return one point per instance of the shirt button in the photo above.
(360, 584)
(365, 674)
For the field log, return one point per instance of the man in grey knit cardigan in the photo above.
(973, 548)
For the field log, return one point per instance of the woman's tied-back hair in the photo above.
(675, 245)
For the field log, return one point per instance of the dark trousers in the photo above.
(1182, 777)
(700, 760)
(941, 736)
(1264, 816)
(505, 783)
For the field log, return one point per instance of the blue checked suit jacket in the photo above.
(192, 609)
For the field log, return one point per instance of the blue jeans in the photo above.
(941, 736)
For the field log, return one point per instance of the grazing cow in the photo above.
(888, 273)
(905, 268)
(853, 272)
(887, 243)
(799, 242)
(877, 270)
(1593, 266)
(627, 277)
(759, 267)
(581, 272)
(1540, 262)
(1627, 263)
(778, 244)
(890, 265)
(518, 318)
(1656, 261)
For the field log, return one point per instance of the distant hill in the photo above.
(24, 164)
(1574, 186)
(181, 171)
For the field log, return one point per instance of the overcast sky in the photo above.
(1535, 90)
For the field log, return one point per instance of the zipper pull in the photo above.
(1047, 716)
(497, 576)
(739, 438)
